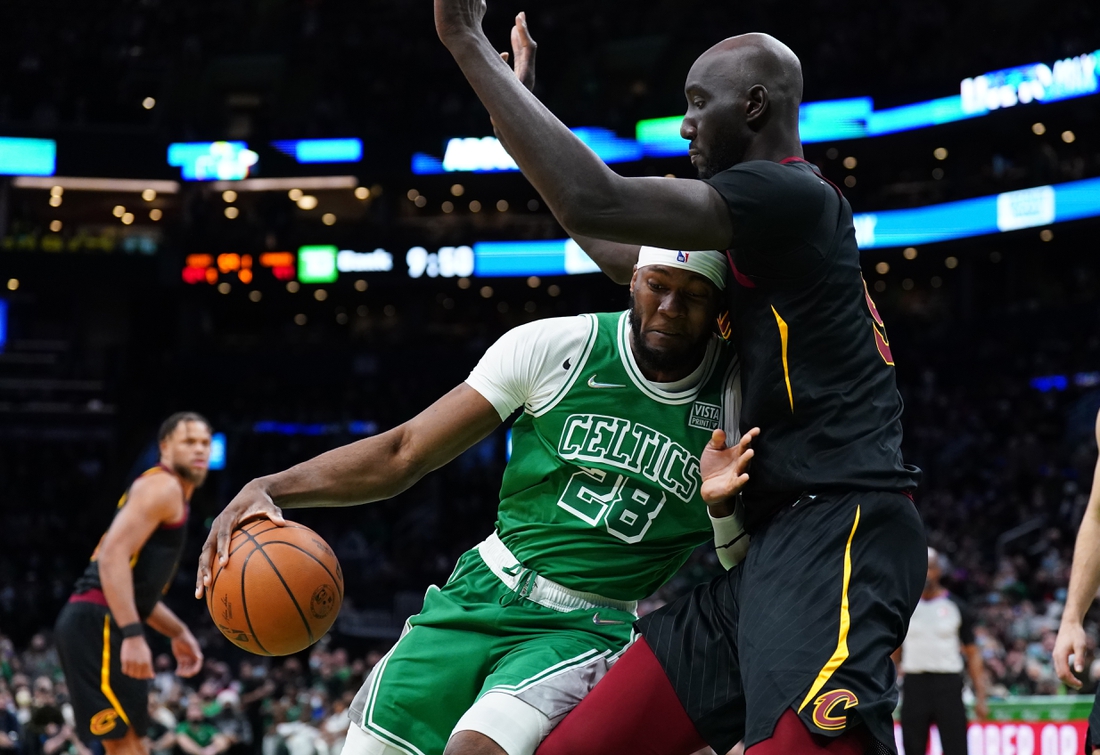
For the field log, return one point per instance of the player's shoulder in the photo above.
(156, 486)
(553, 329)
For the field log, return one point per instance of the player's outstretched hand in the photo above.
(188, 654)
(456, 18)
(1071, 641)
(523, 52)
(724, 470)
(252, 502)
(136, 659)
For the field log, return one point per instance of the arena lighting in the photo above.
(209, 161)
(27, 157)
(217, 452)
(309, 183)
(120, 185)
(322, 150)
(208, 268)
(3, 324)
(856, 118)
(487, 154)
(996, 213)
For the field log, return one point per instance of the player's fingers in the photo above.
(203, 576)
(1079, 653)
(524, 30)
(504, 56)
(718, 440)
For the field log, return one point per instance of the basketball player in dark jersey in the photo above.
(790, 650)
(100, 631)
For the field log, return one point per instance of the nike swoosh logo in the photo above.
(593, 384)
(601, 622)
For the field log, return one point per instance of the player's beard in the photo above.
(659, 360)
(722, 157)
(193, 476)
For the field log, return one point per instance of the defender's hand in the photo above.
(523, 52)
(136, 658)
(1071, 641)
(188, 654)
(457, 18)
(252, 502)
(724, 470)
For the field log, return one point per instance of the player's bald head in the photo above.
(754, 59)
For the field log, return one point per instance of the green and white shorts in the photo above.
(498, 650)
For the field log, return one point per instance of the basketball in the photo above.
(280, 590)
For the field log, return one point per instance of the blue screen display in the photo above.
(27, 157)
(307, 151)
(217, 451)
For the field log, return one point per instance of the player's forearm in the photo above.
(1085, 573)
(163, 620)
(574, 182)
(117, 580)
(372, 469)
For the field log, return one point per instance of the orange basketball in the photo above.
(280, 590)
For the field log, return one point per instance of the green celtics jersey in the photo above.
(602, 490)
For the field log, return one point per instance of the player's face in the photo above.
(187, 451)
(672, 315)
(715, 122)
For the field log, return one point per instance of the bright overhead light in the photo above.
(155, 214)
(328, 219)
(57, 184)
(940, 153)
(232, 212)
(295, 194)
(119, 211)
(850, 163)
(1069, 137)
(127, 218)
(55, 201)
(362, 192)
(229, 196)
(149, 195)
(149, 103)
(307, 202)
(1038, 129)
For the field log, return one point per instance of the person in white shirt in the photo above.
(930, 660)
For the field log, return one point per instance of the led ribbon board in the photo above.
(212, 161)
(217, 451)
(487, 154)
(307, 151)
(856, 118)
(997, 213)
(27, 157)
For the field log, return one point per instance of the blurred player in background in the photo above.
(1084, 581)
(100, 635)
(941, 632)
(599, 506)
(791, 651)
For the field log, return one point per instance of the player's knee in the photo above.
(128, 744)
(499, 724)
(472, 743)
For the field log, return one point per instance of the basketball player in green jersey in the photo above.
(600, 505)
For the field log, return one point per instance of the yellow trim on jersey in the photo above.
(786, 368)
(105, 672)
(841, 653)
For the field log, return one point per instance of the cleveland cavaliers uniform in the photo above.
(106, 702)
(837, 561)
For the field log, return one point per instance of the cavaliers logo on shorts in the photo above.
(826, 715)
(103, 722)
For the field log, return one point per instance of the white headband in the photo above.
(709, 264)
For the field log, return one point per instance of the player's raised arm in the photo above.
(152, 501)
(588, 197)
(615, 259)
(368, 470)
(1083, 582)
